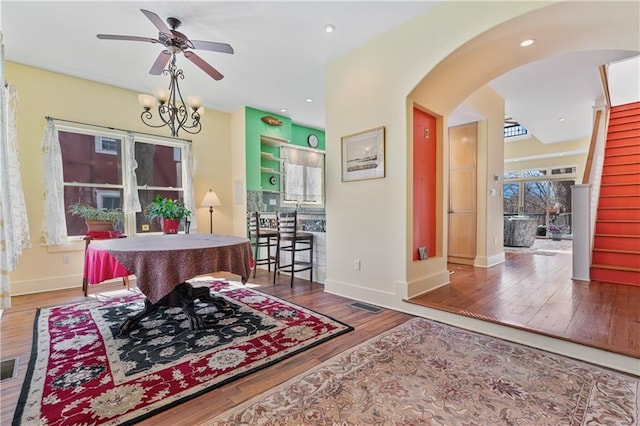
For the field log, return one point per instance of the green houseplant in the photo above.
(98, 220)
(170, 213)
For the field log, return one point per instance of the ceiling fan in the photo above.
(175, 42)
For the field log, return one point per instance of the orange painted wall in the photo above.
(424, 183)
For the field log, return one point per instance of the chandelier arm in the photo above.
(174, 112)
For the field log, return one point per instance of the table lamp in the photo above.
(210, 200)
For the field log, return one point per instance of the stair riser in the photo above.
(620, 189)
(623, 127)
(621, 202)
(616, 277)
(623, 150)
(618, 228)
(627, 134)
(619, 214)
(627, 260)
(623, 159)
(623, 178)
(628, 116)
(616, 243)
(621, 168)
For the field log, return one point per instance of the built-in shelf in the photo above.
(270, 141)
(269, 170)
(269, 156)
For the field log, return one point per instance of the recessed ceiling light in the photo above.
(329, 28)
(283, 110)
(561, 119)
(308, 100)
(528, 42)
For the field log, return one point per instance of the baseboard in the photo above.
(64, 282)
(488, 262)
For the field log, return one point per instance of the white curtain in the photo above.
(189, 197)
(14, 225)
(54, 230)
(131, 202)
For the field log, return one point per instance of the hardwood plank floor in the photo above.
(529, 291)
(534, 291)
(16, 331)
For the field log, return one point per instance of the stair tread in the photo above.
(616, 268)
(618, 220)
(604, 250)
(619, 195)
(617, 235)
(620, 208)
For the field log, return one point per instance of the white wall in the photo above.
(435, 61)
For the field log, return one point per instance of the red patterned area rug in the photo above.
(427, 373)
(84, 371)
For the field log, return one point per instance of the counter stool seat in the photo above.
(293, 242)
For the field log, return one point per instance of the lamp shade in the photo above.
(210, 200)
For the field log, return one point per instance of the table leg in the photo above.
(183, 295)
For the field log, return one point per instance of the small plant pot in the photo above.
(556, 236)
(94, 225)
(170, 226)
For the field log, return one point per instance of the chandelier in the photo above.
(172, 110)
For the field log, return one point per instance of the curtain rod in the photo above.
(47, 117)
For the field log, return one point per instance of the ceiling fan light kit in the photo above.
(172, 110)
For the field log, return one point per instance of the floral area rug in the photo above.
(84, 371)
(427, 373)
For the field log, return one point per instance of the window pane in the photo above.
(535, 173)
(158, 165)
(146, 196)
(84, 162)
(92, 196)
(511, 175)
(511, 197)
(563, 171)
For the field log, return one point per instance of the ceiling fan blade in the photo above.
(128, 38)
(160, 63)
(212, 46)
(157, 21)
(203, 65)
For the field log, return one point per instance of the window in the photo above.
(105, 145)
(303, 176)
(96, 168)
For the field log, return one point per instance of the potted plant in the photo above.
(556, 232)
(169, 212)
(98, 220)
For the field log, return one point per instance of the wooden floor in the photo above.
(534, 291)
(17, 331)
(531, 291)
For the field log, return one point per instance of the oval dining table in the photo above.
(164, 263)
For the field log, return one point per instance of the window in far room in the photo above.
(303, 176)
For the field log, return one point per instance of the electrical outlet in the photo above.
(356, 265)
(65, 259)
(145, 227)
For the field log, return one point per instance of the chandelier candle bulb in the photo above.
(194, 101)
(161, 94)
(146, 101)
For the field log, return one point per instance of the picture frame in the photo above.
(363, 155)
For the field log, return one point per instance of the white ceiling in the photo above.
(280, 52)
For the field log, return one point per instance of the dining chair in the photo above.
(85, 282)
(293, 243)
(260, 238)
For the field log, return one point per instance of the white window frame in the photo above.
(99, 133)
(283, 190)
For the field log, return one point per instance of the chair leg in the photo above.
(311, 261)
(85, 284)
(255, 259)
(277, 261)
(125, 282)
(293, 260)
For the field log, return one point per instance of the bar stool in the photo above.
(291, 241)
(260, 238)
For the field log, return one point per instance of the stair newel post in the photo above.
(581, 230)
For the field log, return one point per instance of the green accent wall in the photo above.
(254, 126)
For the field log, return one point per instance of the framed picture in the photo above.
(363, 155)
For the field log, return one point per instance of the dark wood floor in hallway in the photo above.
(533, 291)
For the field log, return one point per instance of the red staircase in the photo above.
(616, 248)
